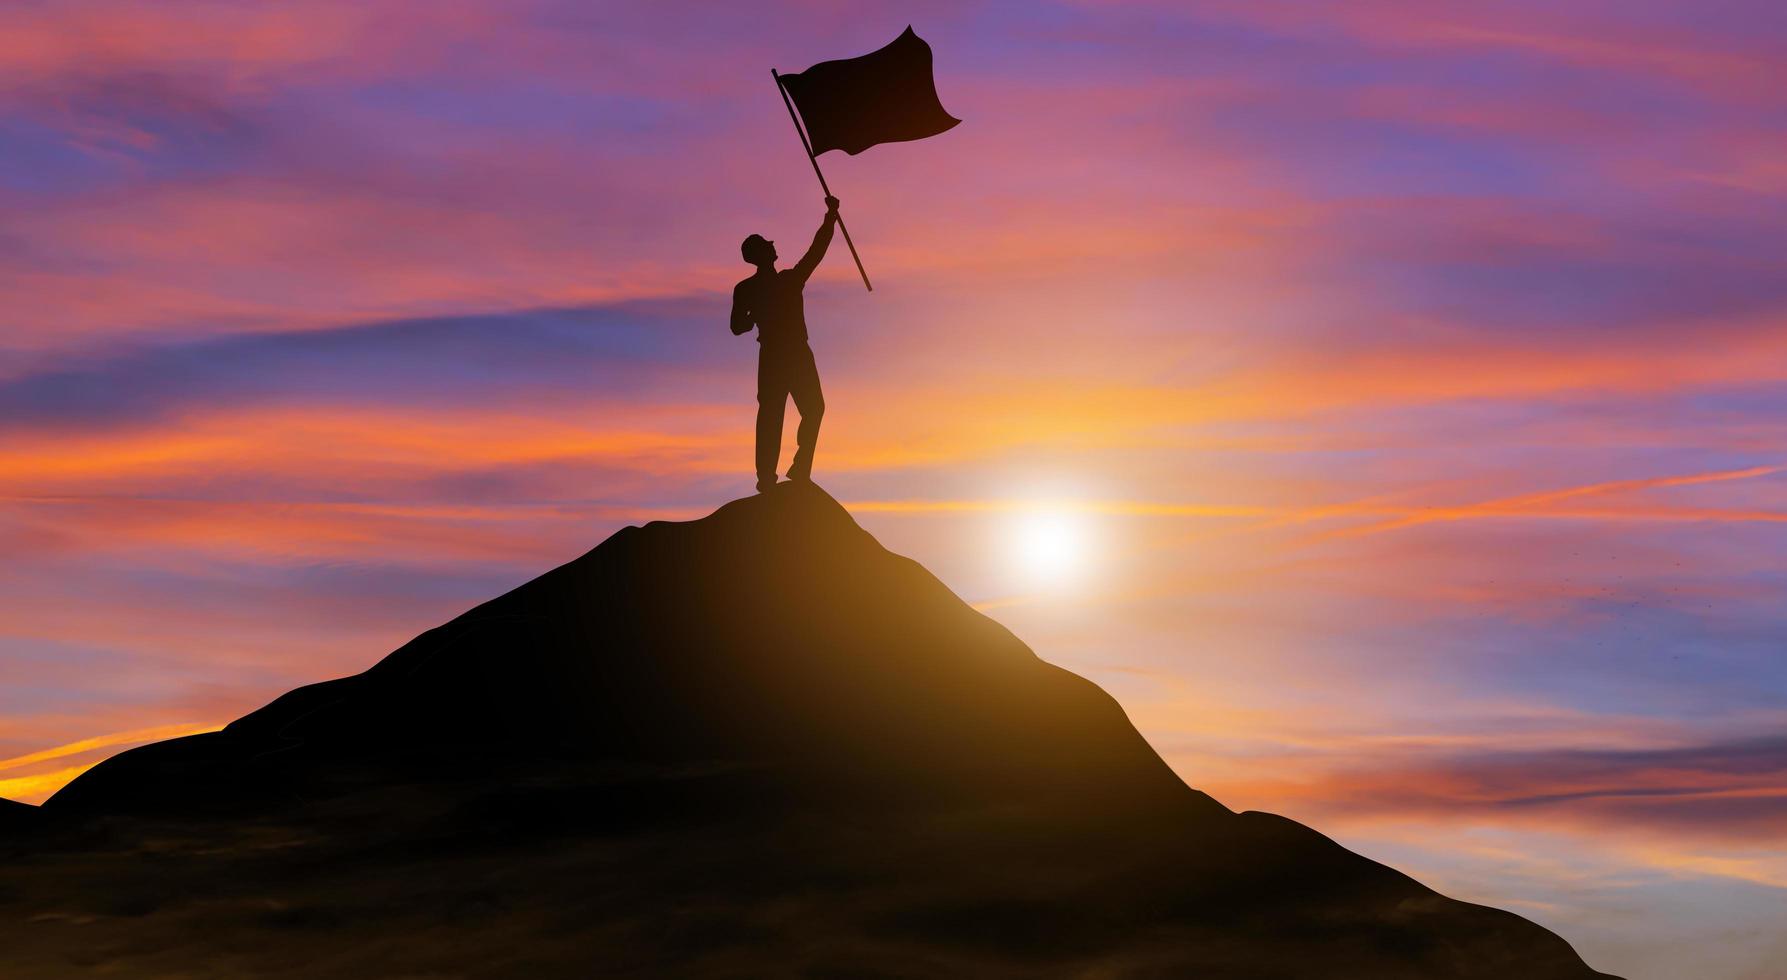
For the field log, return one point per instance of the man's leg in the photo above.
(803, 384)
(772, 401)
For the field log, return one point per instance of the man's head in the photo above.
(758, 251)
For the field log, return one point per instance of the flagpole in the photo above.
(802, 133)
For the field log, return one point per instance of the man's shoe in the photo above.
(764, 484)
(806, 477)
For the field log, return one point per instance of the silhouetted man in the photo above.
(771, 301)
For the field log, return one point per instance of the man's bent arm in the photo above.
(821, 241)
(741, 314)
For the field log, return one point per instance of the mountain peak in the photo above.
(764, 716)
(772, 631)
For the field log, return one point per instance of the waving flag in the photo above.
(887, 96)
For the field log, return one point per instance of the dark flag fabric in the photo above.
(887, 96)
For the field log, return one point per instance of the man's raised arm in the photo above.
(821, 241)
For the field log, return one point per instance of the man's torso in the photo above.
(776, 307)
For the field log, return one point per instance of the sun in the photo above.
(1049, 545)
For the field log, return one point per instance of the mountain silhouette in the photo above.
(752, 744)
(17, 816)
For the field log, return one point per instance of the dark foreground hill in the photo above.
(757, 744)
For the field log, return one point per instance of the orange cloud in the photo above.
(1721, 793)
(361, 442)
(1538, 504)
(1401, 514)
(104, 741)
(238, 44)
(1588, 38)
(39, 786)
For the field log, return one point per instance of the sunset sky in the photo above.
(1412, 377)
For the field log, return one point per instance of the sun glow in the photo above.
(1049, 545)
